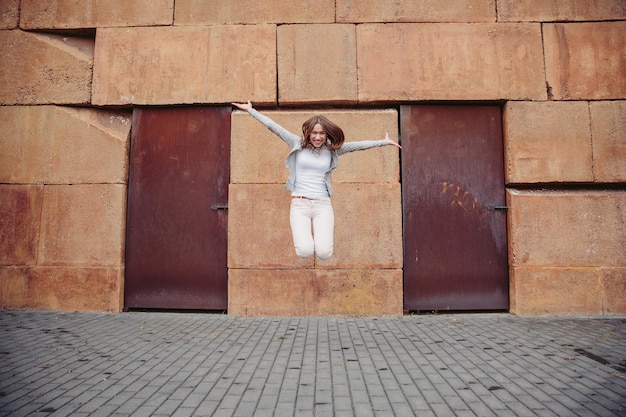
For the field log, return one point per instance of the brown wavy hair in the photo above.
(334, 134)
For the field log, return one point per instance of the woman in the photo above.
(311, 161)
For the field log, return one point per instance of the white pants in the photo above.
(319, 214)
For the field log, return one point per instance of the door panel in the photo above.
(455, 249)
(176, 245)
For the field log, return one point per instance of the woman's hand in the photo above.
(243, 106)
(391, 142)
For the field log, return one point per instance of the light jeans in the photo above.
(320, 214)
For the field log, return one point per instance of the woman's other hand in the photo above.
(391, 142)
(243, 106)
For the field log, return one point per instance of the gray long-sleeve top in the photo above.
(295, 144)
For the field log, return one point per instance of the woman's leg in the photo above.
(300, 219)
(323, 228)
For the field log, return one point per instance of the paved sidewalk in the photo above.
(169, 364)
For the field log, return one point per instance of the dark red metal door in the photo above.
(455, 247)
(176, 233)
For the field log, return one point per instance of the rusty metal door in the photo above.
(176, 232)
(454, 214)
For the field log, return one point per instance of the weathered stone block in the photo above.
(450, 62)
(9, 14)
(317, 63)
(567, 228)
(368, 227)
(20, 206)
(559, 10)
(226, 12)
(582, 61)
(608, 130)
(258, 156)
(43, 68)
(63, 145)
(547, 142)
(555, 291)
(173, 65)
(69, 14)
(259, 234)
(68, 289)
(83, 225)
(310, 292)
(613, 282)
(364, 11)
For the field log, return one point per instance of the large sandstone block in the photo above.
(288, 292)
(83, 225)
(258, 156)
(173, 65)
(20, 206)
(9, 14)
(567, 228)
(559, 10)
(63, 145)
(364, 11)
(556, 291)
(450, 62)
(70, 14)
(368, 227)
(67, 289)
(583, 62)
(43, 68)
(547, 142)
(317, 63)
(227, 12)
(613, 282)
(259, 235)
(608, 130)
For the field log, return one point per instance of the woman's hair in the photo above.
(334, 134)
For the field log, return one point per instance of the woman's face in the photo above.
(318, 136)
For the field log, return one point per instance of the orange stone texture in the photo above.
(82, 225)
(560, 10)
(566, 251)
(9, 14)
(450, 62)
(72, 71)
(63, 145)
(227, 12)
(67, 14)
(547, 142)
(20, 206)
(315, 292)
(39, 68)
(586, 61)
(186, 64)
(608, 130)
(415, 11)
(69, 289)
(317, 63)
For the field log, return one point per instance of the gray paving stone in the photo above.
(162, 364)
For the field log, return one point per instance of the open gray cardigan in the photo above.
(295, 144)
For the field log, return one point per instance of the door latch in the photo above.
(492, 207)
(219, 207)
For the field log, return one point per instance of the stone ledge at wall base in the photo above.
(536, 291)
(315, 292)
(62, 288)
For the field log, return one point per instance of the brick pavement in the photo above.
(181, 364)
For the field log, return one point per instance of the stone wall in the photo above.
(70, 76)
